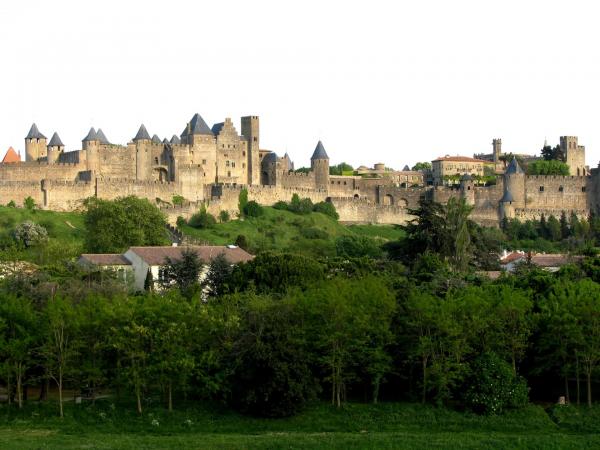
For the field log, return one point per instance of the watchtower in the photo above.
(35, 144)
(319, 164)
(251, 131)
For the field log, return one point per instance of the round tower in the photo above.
(90, 145)
(319, 164)
(467, 189)
(514, 190)
(55, 148)
(143, 142)
(35, 144)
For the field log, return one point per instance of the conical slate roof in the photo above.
(55, 141)
(34, 133)
(91, 136)
(11, 156)
(175, 139)
(101, 137)
(406, 168)
(156, 139)
(319, 152)
(165, 141)
(514, 168)
(199, 126)
(142, 134)
(507, 198)
(466, 177)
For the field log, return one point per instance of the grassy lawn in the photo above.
(279, 230)
(65, 231)
(388, 425)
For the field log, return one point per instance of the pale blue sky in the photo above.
(377, 81)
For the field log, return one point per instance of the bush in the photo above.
(357, 246)
(178, 199)
(242, 241)
(202, 220)
(11, 204)
(243, 201)
(180, 221)
(493, 387)
(253, 209)
(326, 208)
(281, 205)
(29, 203)
(304, 206)
(224, 216)
(30, 234)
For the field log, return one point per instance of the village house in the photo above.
(134, 265)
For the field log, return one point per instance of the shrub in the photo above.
(178, 199)
(30, 234)
(357, 246)
(326, 208)
(224, 216)
(304, 206)
(253, 209)
(281, 205)
(180, 221)
(242, 241)
(11, 204)
(243, 201)
(202, 220)
(493, 387)
(29, 203)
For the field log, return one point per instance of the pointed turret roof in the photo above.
(507, 197)
(34, 133)
(101, 137)
(55, 141)
(142, 134)
(319, 152)
(514, 168)
(91, 136)
(199, 126)
(156, 139)
(175, 139)
(11, 156)
(217, 127)
(406, 168)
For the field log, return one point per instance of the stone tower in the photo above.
(574, 155)
(35, 144)
(142, 141)
(497, 149)
(55, 148)
(90, 146)
(467, 189)
(319, 164)
(514, 190)
(251, 131)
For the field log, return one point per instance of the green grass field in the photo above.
(387, 425)
(66, 233)
(285, 231)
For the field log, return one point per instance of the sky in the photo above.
(378, 81)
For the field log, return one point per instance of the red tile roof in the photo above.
(460, 159)
(155, 256)
(11, 156)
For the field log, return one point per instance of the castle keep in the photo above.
(210, 165)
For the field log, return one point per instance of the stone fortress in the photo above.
(210, 165)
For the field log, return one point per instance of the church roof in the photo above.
(199, 126)
(91, 136)
(175, 139)
(142, 134)
(101, 137)
(514, 168)
(11, 156)
(156, 139)
(55, 141)
(34, 133)
(319, 152)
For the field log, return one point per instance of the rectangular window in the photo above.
(541, 188)
(583, 189)
(560, 189)
(226, 163)
(203, 161)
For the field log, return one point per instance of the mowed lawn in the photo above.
(355, 426)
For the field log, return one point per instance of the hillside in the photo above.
(311, 234)
(65, 233)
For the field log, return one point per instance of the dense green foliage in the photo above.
(422, 166)
(548, 167)
(114, 225)
(340, 169)
(552, 153)
(202, 220)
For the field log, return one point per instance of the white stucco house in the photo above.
(133, 265)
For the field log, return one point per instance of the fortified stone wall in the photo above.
(37, 171)
(364, 211)
(556, 192)
(17, 191)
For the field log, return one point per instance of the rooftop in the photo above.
(11, 156)
(104, 259)
(155, 256)
(460, 159)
